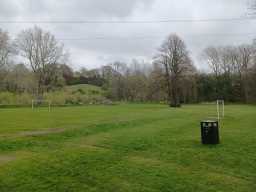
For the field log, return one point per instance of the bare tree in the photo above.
(245, 55)
(241, 59)
(20, 79)
(231, 64)
(5, 48)
(211, 54)
(157, 84)
(174, 56)
(251, 7)
(42, 51)
(227, 58)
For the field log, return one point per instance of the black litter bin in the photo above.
(210, 132)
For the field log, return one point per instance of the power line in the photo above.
(156, 37)
(147, 37)
(238, 19)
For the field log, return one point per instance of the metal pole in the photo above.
(223, 108)
(218, 110)
(49, 106)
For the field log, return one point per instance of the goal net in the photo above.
(214, 110)
(220, 109)
(37, 103)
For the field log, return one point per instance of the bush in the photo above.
(24, 99)
(74, 98)
(56, 98)
(7, 98)
(59, 98)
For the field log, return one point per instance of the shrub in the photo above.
(61, 97)
(7, 98)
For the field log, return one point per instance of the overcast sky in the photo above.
(124, 41)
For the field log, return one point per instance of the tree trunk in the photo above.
(175, 97)
(169, 91)
(40, 87)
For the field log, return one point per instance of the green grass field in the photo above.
(125, 148)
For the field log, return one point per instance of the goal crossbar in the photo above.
(40, 101)
(217, 112)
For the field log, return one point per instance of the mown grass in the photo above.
(125, 148)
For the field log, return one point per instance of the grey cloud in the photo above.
(93, 53)
(113, 8)
(66, 9)
(8, 9)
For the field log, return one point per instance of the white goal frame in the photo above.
(49, 103)
(220, 109)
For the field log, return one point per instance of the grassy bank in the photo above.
(82, 94)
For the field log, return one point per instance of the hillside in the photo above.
(86, 89)
(69, 95)
(81, 94)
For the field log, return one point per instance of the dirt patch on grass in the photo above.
(95, 139)
(40, 132)
(91, 142)
(227, 179)
(17, 155)
(145, 160)
(93, 147)
(6, 158)
(33, 133)
(210, 176)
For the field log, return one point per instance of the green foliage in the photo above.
(77, 95)
(125, 148)
(70, 95)
(85, 88)
(81, 94)
(7, 98)
(67, 98)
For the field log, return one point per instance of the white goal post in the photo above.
(220, 109)
(214, 110)
(40, 102)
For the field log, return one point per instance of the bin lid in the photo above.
(209, 121)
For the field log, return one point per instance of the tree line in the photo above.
(171, 77)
